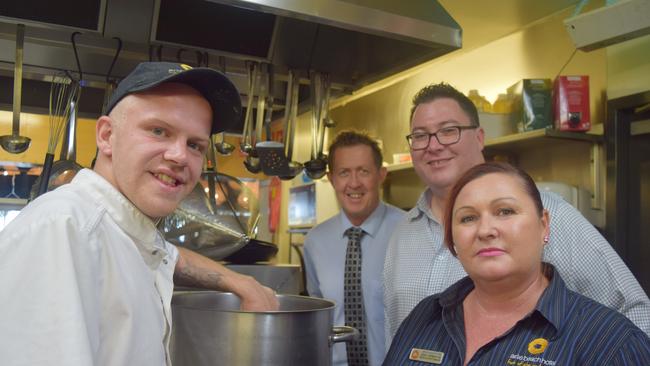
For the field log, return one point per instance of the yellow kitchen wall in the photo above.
(36, 127)
(539, 50)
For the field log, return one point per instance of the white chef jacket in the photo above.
(85, 279)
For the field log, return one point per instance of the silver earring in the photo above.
(546, 239)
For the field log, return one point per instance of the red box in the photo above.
(571, 103)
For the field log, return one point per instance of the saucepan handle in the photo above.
(343, 333)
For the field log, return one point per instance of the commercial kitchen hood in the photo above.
(621, 21)
(356, 41)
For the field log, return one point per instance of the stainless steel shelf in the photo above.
(17, 202)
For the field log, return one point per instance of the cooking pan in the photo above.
(275, 157)
(254, 251)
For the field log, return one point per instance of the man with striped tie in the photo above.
(344, 256)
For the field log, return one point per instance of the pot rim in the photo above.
(327, 304)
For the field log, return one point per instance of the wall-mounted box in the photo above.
(621, 21)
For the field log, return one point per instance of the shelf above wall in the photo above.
(16, 203)
(527, 140)
(539, 138)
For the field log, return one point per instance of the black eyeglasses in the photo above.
(445, 136)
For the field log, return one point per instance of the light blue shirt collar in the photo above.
(370, 226)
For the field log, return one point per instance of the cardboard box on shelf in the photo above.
(496, 124)
(571, 103)
(532, 104)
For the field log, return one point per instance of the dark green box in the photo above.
(532, 106)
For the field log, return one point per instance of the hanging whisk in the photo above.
(63, 91)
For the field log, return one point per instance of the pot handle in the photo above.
(343, 333)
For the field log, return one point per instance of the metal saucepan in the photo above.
(209, 329)
(254, 251)
(275, 156)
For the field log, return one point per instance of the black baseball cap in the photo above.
(212, 84)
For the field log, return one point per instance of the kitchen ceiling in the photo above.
(481, 22)
(355, 42)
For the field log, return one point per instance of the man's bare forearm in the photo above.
(192, 277)
(193, 269)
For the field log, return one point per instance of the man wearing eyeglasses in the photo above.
(445, 141)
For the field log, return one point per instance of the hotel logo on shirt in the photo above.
(535, 347)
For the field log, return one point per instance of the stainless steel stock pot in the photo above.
(209, 329)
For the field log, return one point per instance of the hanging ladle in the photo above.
(246, 145)
(275, 156)
(317, 166)
(294, 167)
(14, 143)
(252, 161)
(223, 147)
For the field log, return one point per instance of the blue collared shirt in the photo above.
(325, 248)
(565, 328)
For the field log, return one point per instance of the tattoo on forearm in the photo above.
(198, 277)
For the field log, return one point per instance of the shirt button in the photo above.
(154, 252)
(165, 261)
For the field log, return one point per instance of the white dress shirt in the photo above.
(85, 279)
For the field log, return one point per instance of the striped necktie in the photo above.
(357, 351)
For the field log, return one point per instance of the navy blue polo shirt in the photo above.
(565, 328)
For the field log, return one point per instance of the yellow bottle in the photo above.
(503, 104)
(482, 104)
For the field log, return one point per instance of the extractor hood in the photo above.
(621, 21)
(356, 42)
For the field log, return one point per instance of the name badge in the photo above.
(425, 355)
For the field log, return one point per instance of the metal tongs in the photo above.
(276, 157)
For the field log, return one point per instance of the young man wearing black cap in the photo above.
(85, 276)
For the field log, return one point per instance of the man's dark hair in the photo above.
(443, 90)
(353, 138)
